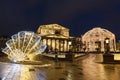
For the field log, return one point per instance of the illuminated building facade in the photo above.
(56, 37)
(94, 40)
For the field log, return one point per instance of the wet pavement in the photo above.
(87, 68)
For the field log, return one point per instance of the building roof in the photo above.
(57, 26)
(98, 31)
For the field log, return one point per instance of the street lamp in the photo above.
(107, 57)
(69, 55)
(69, 43)
(107, 41)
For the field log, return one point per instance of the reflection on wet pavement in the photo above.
(85, 69)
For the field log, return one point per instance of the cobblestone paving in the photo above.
(85, 69)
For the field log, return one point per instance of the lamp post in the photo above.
(70, 43)
(107, 57)
(107, 41)
(69, 55)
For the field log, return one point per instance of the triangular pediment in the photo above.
(55, 26)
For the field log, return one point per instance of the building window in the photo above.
(57, 31)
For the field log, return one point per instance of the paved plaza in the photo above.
(86, 68)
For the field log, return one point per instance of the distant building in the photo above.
(3, 40)
(94, 40)
(118, 46)
(56, 37)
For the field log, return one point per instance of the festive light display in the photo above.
(23, 44)
(94, 39)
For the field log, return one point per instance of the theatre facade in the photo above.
(57, 38)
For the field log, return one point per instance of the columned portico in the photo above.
(55, 36)
(56, 44)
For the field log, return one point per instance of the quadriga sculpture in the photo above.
(22, 44)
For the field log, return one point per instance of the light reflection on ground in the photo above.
(85, 69)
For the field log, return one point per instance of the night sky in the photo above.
(77, 15)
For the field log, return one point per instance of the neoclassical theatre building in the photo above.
(56, 37)
(94, 40)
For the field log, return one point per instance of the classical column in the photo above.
(55, 45)
(67, 45)
(59, 45)
(63, 45)
(102, 45)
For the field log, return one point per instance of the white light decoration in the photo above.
(23, 44)
(95, 38)
(107, 41)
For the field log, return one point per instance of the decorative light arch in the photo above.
(94, 39)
